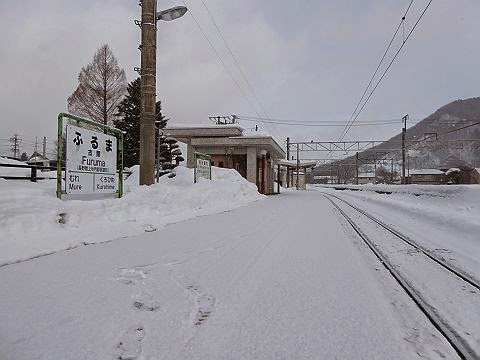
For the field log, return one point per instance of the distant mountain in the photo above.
(434, 140)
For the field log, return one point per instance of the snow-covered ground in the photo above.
(205, 271)
(277, 279)
(34, 222)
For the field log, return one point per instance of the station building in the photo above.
(256, 158)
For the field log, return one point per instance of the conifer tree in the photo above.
(170, 156)
(128, 120)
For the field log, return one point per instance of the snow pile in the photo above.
(34, 222)
(8, 171)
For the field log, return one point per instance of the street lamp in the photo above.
(172, 13)
(148, 83)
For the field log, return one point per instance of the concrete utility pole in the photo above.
(356, 166)
(288, 148)
(298, 165)
(391, 172)
(148, 91)
(148, 49)
(44, 150)
(288, 158)
(404, 131)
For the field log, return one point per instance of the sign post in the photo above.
(202, 167)
(92, 158)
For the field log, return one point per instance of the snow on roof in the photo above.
(8, 171)
(366, 175)
(452, 170)
(4, 160)
(203, 126)
(426, 172)
(293, 163)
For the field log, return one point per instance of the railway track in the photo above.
(416, 282)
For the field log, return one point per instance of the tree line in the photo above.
(103, 95)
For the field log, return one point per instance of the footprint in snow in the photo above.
(130, 276)
(146, 302)
(130, 345)
(204, 303)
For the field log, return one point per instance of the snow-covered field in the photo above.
(34, 222)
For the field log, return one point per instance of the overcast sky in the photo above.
(306, 60)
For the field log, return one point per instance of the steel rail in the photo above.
(449, 267)
(461, 347)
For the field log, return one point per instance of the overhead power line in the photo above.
(240, 69)
(235, 59)
(317, 123)
(221, 60)
(402, 22)
(461, 128)
(388, 68)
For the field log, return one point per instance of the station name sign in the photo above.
(203, 167)
(91, 161)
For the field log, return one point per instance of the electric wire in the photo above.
(235, 59)
(322, 123)
(461, 128)
(221, 60)
(402, 22)
(240, 69)
(388, 67)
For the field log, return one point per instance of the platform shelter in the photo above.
(254, 157)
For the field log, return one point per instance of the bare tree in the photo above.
(102, 85)
(385, 177)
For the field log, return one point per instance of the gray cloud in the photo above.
(308, 60)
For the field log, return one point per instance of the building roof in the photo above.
(366, 175)
(224, 135)
(293, 163)
(426, 172)
(36, 156)
(184, 133)
(266, 142)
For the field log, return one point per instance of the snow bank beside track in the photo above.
(34, 222)
(457, 205)
(444, 219)
(417, 190)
